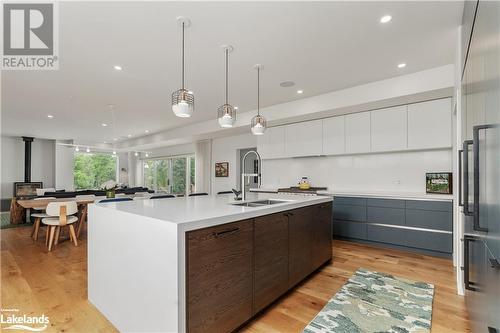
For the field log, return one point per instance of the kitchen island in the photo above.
(201, 264)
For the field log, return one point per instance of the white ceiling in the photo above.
(322, 46)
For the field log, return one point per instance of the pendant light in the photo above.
(258, 122)
(183, 99)
(226, 112)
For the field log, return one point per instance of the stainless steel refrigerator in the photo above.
(480, 163)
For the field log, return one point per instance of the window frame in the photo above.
(117, 167)
(169, 159)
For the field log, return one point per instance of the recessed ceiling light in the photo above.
(300, 91)
(385, 18)
(146, 131)
(104, 142)
(77, 148)
(117, 67)
(236, 108)
(129, 136)
(115, 139)
(114, 152)
(402, 65)
(136, 154)
(147, 155)
(104, 125)
(88, 150)
(286, 84)
(50, 116)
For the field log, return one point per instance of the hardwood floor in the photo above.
(54, 284)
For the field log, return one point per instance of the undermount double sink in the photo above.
(259, 203)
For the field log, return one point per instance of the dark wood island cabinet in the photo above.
(219, 279)
(321, 235)
(270, 259)
(237, 269)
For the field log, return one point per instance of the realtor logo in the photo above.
(30, 36)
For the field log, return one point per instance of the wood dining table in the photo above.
(42, 204)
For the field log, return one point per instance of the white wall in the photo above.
(64, 166)
(122, 175)
(183, 149)
(12, 163)
(132, 169)
(203, 162)
(384, 172)
(227, 150)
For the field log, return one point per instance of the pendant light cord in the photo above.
(183, 55)
(113, 117)
(227, 71)
(258, 91)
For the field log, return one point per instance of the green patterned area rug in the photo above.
(5, 222)
(376, 302)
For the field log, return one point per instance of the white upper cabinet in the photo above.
(304, 139)
(389, 129)
(334, 135)
(424, 125)
(429, 124)
(272, 143)
(357, 133)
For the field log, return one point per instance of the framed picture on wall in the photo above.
(222, 169)
(439, 182)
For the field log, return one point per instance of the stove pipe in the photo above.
(27, 158)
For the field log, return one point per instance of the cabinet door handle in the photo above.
(466, 268)
(465, 174)
(475, 137)
(226, 232)
(460, 180)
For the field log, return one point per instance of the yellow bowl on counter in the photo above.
(304, 186)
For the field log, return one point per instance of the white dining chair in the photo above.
(61, 215)
(83, 211)
(38, 215)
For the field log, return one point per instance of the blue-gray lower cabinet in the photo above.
(384, 234)
(349, 213)
(349, 229)
(383, 215)
(433, 241)
(429, 219)
(418, 224)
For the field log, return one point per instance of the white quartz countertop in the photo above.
(372, 194)
(390, 195)
(203, 211)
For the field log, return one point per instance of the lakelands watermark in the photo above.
(12, 320)
(30, 36)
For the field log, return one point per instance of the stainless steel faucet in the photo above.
(245, 175)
